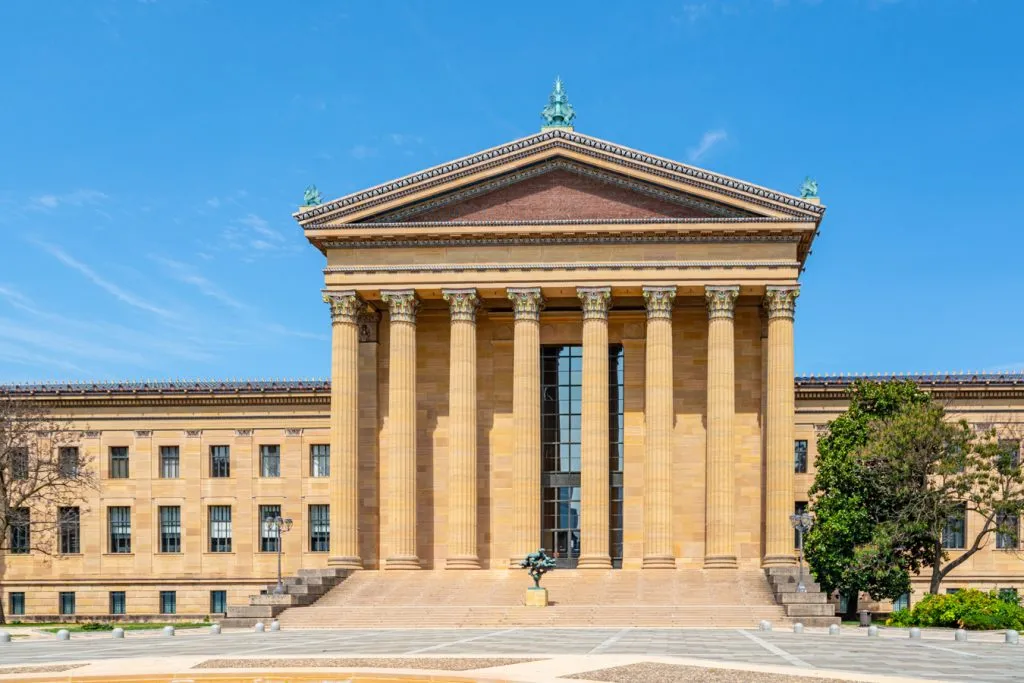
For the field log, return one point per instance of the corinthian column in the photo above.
(462, 495)
(526, 465)
(401, 465)
(594, 450)
(780, 303)
(658, 416)
(720, 542)
(346, 307)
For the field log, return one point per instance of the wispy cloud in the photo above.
(224, 200)
(707, 142)
(253, 235)
(362, 152)
(75, 198)
(114, 290)
(188, 275)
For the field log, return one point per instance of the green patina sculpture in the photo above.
(311, 197)
(558, 113)
(537, 565)
(809, 188)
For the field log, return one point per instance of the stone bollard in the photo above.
(798, 628)
(915, 633)
(1012, 637)
(117, 633)
(258, 628)
(63, 634)
(960, 635)
(872, 631)
(5, 637)
(765, 625)
(215, 629)
(275, 625)
(833, 629)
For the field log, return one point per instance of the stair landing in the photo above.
(579, 598)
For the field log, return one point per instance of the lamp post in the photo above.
(278, 524)
(802, 522)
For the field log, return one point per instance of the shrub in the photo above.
(970, 609)
(95, 626)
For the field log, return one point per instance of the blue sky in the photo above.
(152, 152)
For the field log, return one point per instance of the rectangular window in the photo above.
(320, 460)
(952, 591)
(117, 602)
(220, 461)
(220, 528)
(268, 534)
(69, 521)
(901, 603)
(270, 461)
(1009, 595)
(800, 456)
(16, 604)
(953, 534)
(170, 529)
(20, 524)
(19, 463)
(168, 602)
(799, 508)
(170, 462)
(66, 603)
(119, 522)
(67, 462)
(218, 602)
(319, 528)
(1011, 449)
(1007, 530)
(118, 462)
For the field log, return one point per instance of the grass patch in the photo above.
(96, 626)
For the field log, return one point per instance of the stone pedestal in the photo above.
(536, 597)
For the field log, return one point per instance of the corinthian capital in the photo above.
(721, 300)
(659, 302)
(780, 302)
(345, 306)
(596, 302)
(527, 302)
(463, 304)
(402, 304)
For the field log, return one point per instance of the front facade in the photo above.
(557, 343)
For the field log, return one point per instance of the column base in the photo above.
(659, 562)
(462, 563)
(594, 562)
(779, 561)
(400, 562)
(720, 562)
(346, 562)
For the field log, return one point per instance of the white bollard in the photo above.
(258, 628)
(915, 633)
(1012, 637)
(833, 629)
(215, 629)
(168, 631)
(117, 633)
(63, 634)
(765, 625)
(960, 635)
(798, 628)
(872, 631)
(5, 637)
(275, 625)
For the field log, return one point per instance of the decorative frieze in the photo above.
(293, 432)
(721, 300)
(463, 304)
(143, 434)
(402, 304)
(549, 267)
(780, 302)
(91, 435)
(345, 306)
(596, 302)
(243, 432)
(193, 433)
(659, 302)
(527, 302)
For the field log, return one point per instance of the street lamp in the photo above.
(278, 524)
(802, 522)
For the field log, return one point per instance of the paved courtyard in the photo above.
(938, 657)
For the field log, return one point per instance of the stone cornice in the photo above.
(947, 385)
(519, 267)
(687, 220)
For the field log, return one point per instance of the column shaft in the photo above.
(594, 479)
(658, 419)
(462, 484)
(401, 466)
(778, 548)
(346, 307)
(526, 459)
(720, 542)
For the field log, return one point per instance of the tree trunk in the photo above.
(933, 586)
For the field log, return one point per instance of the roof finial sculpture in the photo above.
(809, 188)
(558, 113)
(311, 197)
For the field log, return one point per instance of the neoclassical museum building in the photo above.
(557, 342)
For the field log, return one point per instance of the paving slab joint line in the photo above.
(945, 649)
(792, 659)
(460, 642)
(611, 640)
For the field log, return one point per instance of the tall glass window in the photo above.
(320, 460)
(1006, 537)
(16, 604)
(168, 602)
(69, 523)
(117, 602)
(319, 528)
(19, 463)
(170, 462)
(20, 526)
(170, 529)
(66, 603)
(270, 461)
(800, 456)
(220, 461)
(268, 535)
(953, 534)
(118, 462)
(218, 602)
(220, 528)
(68, 462)
(119, 522)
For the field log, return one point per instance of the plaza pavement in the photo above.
(852, 655)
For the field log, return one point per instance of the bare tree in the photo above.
(44, 479)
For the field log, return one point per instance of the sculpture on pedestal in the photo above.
(537, 565)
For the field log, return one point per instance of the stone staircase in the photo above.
(305, 589)
(811, 608)
(494, 598)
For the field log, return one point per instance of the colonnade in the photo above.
(399, 533)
